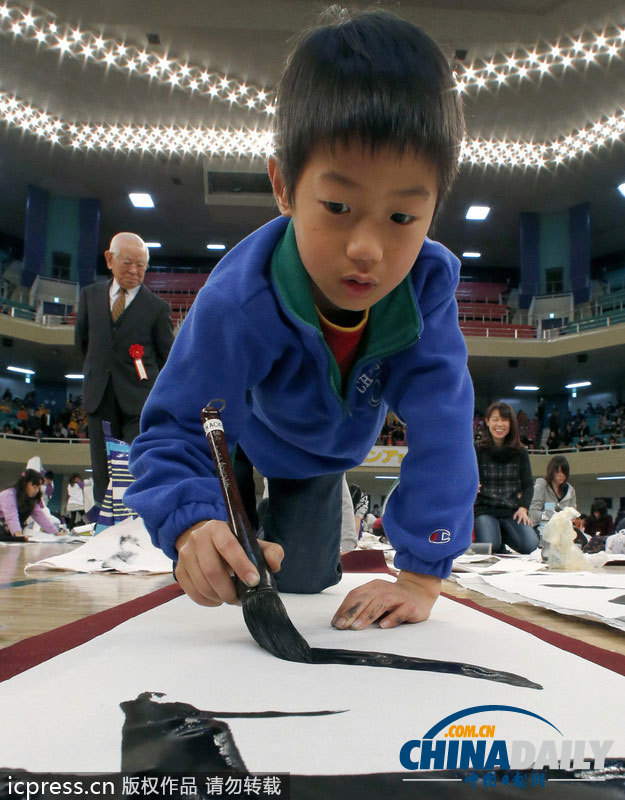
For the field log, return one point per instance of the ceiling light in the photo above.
(152, 244)
(477, 212)
(577, 385)
(526, 388)
(611, 478)
(386, 477)
(74, 376)
(471, 254)
(621, 188)
(141, 200)
(22, 370)
(215, 246)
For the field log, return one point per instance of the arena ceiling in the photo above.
(544, 93)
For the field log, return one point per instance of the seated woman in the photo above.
(21, 502)
(506, 484)
(599, 526)
(553, 493)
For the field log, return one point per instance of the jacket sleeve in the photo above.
(527, 483)
(535, 511)
(81, 329)
(163, 335)
(8, 509)
(217, 354)
(429, 515)
(41, 518)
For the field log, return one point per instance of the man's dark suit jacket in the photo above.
(105, 345)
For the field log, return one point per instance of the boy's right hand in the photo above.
(208, 557)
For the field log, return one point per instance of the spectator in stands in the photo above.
(619, 521)
(72, 428)
(554, 421)
(7, 428)
(113, 318)
(540, 412)
(583, 430)
(553, 440)
(567, 434)
(59, 432)
(604, 424)
(599, 522)
(506, 485)
(45, 420)
(21, 502)
(552, 493)
(613, 443)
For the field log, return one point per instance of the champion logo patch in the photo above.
(440, 536)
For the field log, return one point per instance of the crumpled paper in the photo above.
(559, 548)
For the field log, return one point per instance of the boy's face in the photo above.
(360, 221)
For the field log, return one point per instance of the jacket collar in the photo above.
(394, 321)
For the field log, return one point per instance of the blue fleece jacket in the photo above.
(252, 338)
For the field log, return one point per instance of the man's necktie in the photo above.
(119, 305)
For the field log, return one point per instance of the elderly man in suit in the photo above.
(124, 332)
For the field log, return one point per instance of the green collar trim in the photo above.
(394, 321)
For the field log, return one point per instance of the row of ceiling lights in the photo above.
(47, 31)
(258, 143)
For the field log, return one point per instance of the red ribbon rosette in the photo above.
(136, 353)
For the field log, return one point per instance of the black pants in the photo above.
(304, 517)
(123, 426)
(74, 518)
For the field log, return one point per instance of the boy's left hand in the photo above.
(409, 599)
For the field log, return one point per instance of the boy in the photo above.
(317, 322)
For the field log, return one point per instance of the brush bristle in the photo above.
(266, 618)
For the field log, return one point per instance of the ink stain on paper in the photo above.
(177, 737)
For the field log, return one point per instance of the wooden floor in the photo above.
(39, 601)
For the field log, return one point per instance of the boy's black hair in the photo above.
(372, 78)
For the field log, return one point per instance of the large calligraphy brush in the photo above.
(264, 612)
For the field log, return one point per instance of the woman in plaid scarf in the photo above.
(506, 484)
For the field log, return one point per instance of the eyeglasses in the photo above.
(128, 262)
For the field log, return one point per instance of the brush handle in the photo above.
(237, 518)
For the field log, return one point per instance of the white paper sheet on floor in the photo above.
(125, 547)
(588, 594)
(207, 658)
